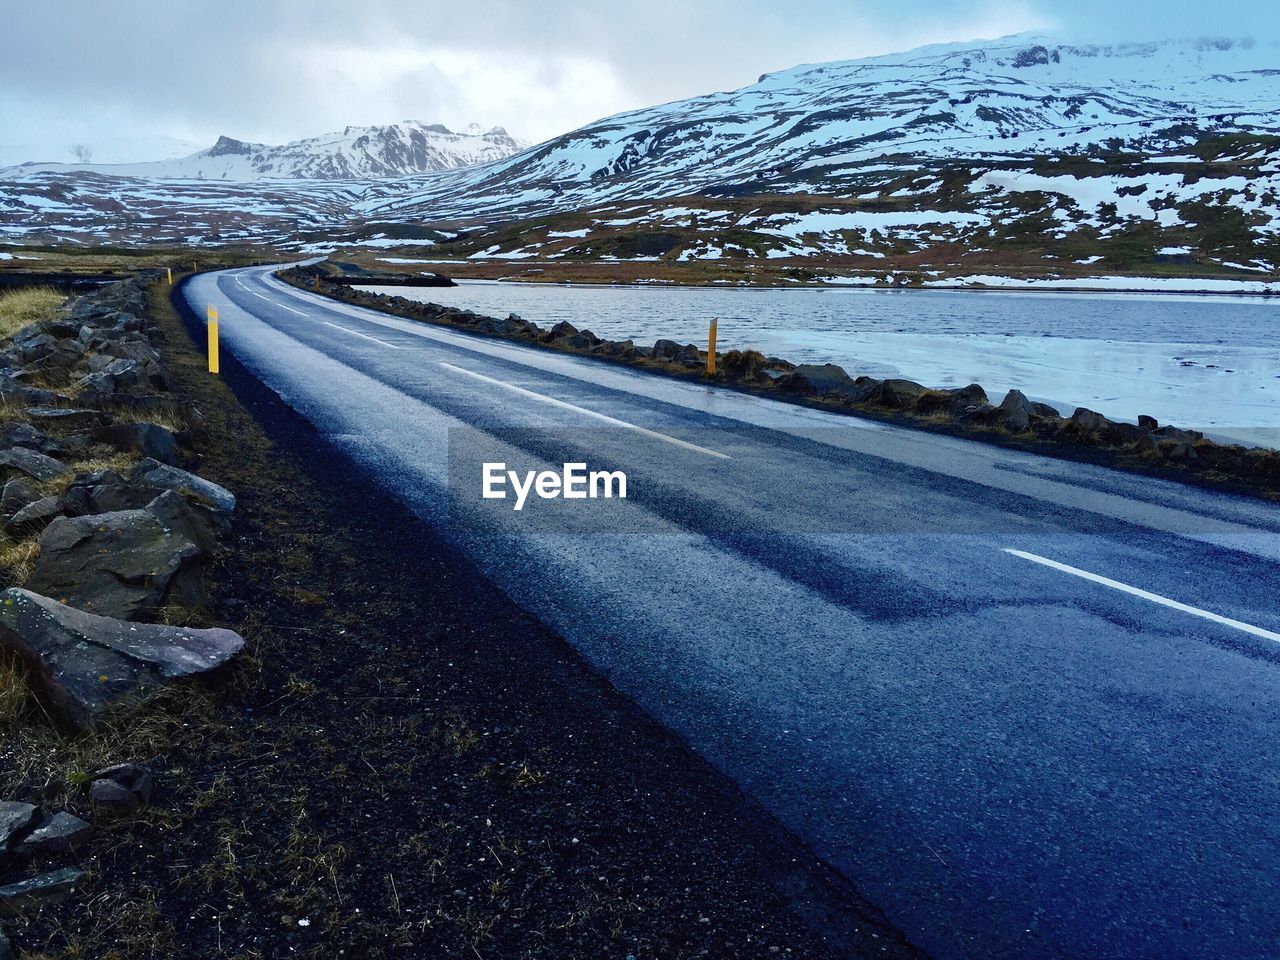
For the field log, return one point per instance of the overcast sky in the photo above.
(142, 73)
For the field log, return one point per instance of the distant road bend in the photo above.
(1029, 707)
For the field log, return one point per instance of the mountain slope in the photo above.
(1023, 153)
(824, 128)
(356, 153)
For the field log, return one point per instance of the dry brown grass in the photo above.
(119, 462)
(36, 751)
(18, 558)
(13, 690)
(173, 422)
(18, 308)
(13, 410)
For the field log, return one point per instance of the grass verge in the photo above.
(18, 308)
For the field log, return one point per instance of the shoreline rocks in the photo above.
(966, 410)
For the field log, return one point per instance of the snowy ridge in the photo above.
(1123, 155)
(356, 153)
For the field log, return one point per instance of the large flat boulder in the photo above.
(123, 564)
(164, 477)
(61, 833)
(32, 463)
(71, 418)
(28, 896)
(81, 665)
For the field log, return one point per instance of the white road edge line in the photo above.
(591, 413)
(1145, 595)
(356, 333)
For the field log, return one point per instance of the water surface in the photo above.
(1198, 361)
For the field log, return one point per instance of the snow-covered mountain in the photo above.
(836, 127)
(1023, 151)
(355, 153)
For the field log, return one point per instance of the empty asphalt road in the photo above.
(1031, 708)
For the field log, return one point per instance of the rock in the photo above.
(164, 477)
(12, 391)
(820, 379)
(149, 439)
(1182, 452)
(956, 402)
(1086, 425)
(119, 374)
(32, 463)
(1128, 433)
(61, 833)
(18, 492)
(104, 491)
(196, 523)
(112, 798)
(586, 340)
(25, 435)
(29, 895)
(828, 379)
(34, 516)
(981, 413)
(125, 373)
(135, 348)
(123, 564)
(1150, 424)
(902, 394)
(562, 330)
(72, 418)
(135, 779)
(621, 349)
(664, 349)
(81, 665)
(1178, 435)
(1014, 412)
(94, 386)
(15, 819)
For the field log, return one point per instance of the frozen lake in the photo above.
(1211, 363)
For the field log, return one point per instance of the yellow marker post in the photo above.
(711, 349)
(213, 338)
(169, 271)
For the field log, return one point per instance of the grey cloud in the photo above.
(275, 71)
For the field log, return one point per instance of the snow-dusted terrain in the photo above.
(355, 153)
(961, 160)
